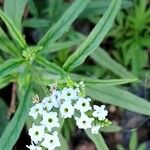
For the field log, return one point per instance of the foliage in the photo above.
(33, 67)
(131, 37)
(133, 143)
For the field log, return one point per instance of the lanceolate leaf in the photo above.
(98, 140)
(3, 115)
(119, 97)
(6, 45)
(64, 23)
(12, 131)
(100, 82)
(112, 128)
(9, 66)
(97, 7)
(102, 58)
(95, 37)
(61, 45)
(64, 144)
(5, 81)
(15, 10)
(52, 67)
(13, 30)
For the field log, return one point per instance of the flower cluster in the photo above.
(67, 101)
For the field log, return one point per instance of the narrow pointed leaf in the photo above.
(17, 12)
(95, 37)
(64, 144)
(9, 66)
(6, 45)
(100, 82)
(52, 67)
(98, 7)
(61, 45)
(3, 115)
(98, 140)
(102, 58)
(64, 23)
(13, 130)
(16, 35)
(119, 97)
(5, 81)
(112, 128)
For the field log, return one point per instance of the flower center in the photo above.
(50, 120)
(66, 109)
(83, 104)
(51, 141)
(84, 122)
(68, 94)
(36, 133)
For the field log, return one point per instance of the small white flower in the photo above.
(55, 98)
(83, 104)
(69, 94)
(66, 109)
(50, 120)
(84, 122)
(47, 104)
(35, 110)
(33, 147)
(95, 129)
(51, 141)
(36, 133)
(100, 112)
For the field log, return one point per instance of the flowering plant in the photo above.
(32, 67)
(67, 101)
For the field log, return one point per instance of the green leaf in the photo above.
(3, 115)
(64, 144)
(52, 67)
(6, 45)
(13, 30)
(142, 147)
(112, 128)
(5, 81)
(100, 82)
(12, 131)
(64, 23)
(35, 23)
(119, 97)
(95, 37)
(15, 10)
(9, 66)
(98, 7)
(101, 57)
(32, 7)
(133, 141)
(98, 140)
(61, 45)
(120, 147)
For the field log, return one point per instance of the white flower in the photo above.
(83, 104)
(95, 129)
(66, 109)
(55, 98)
(69, 94)
(33, 147)
(50, 120)
(51, 141)
(35, 110)
(100, 112)
(84, 122)
(36, 133)
(47, 103)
